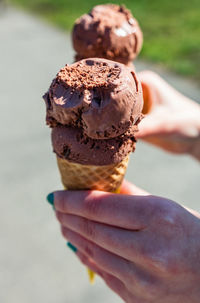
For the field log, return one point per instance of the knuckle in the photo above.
(167, 214)
(128, 273)
(169, 218)
(92, 205)
(83, 259)
(88, 228)
(62, 204)
(151, 288)
(165, 262)
(171, 266)
(145, 282)
(89, 250)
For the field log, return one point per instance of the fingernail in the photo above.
(72, 247)
(50, 199)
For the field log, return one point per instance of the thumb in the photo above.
(149, 126)
(127, 188)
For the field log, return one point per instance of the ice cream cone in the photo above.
(78, 176)
(94, 107)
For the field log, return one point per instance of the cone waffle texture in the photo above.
(106, 178)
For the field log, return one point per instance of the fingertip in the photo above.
(126, 188)
(60, 198)
(71, 246)
(129, 188)
(50, 198)
(148, 127)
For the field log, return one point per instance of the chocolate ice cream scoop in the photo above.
(108, 31)
(71, 144)
(102, 97)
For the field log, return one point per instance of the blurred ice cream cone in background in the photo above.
(107, 31)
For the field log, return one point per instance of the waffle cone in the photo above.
(78, 176)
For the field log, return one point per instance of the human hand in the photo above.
(146, 248)
(173, 122)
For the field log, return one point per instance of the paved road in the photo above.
(35, 265)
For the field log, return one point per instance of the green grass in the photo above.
(171, 27)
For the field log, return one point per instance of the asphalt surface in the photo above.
(35, 265)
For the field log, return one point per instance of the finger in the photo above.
(151, 125)
(130, 189)
(124, 243)
(118, 287)
(89, 263)
(113, 283)
(134, 276)
(154, 83)
(107, 261)
(126, 211)
(169, 142)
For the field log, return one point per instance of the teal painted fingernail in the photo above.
(50, 199)
(72, 247)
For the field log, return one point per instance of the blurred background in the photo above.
(171, 28)
(35, 264)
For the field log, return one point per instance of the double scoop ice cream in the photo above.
(94, 107)
(107, 31)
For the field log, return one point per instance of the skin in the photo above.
(173, 121)
(147, 249)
